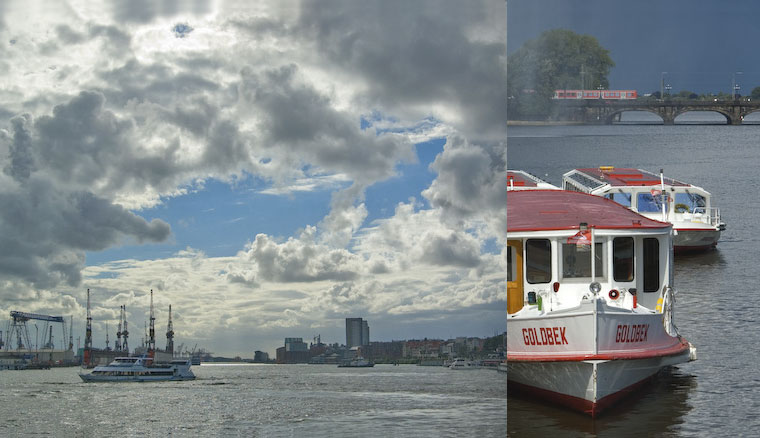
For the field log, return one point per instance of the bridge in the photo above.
(605, 112)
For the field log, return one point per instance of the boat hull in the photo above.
(589, 386)
(695, 239)
(89, 378)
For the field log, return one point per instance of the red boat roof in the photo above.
(621, 176)
(542, 210)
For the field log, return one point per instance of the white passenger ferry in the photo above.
(696, 221)
(589, 298)
(137, 369)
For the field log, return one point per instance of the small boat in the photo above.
(463, 364)
(689, 208)
(358, 362)
(138, 369)
(590, 299)
(521, 180)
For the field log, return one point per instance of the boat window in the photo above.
(689, 203)
(648, 203)
(623, 199)
(576, 260)
(510, 266)
(538, 259)
(651, 265)
(622, 258)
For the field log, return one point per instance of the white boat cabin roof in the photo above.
(590, 179)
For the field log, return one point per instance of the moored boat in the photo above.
(139, 369)
(590, 299)
(463, 364)
(697, 223)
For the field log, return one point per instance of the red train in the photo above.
(595, 94)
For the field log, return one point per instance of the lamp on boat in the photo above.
(583, 226)
(595, 287)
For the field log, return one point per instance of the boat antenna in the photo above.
(663, 195)
(170, 334)
(152, 329)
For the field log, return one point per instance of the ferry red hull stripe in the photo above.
(673, 350)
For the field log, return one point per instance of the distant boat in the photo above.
(696, 221)
(135, 369)
(358, 362)
(463, 364)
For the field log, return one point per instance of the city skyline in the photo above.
(266, 169)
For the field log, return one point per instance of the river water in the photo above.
(717, 303)
(259, 401)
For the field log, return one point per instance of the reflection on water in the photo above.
(652, 411)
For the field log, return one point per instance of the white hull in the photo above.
(693, 239)
(90, 378)
(559, 357)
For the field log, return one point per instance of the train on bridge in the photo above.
(596, 94)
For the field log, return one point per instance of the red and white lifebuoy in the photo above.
(614, 294)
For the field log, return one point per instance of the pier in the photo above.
(606, 112)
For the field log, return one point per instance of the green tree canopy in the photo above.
(755, 93)
(557, 59)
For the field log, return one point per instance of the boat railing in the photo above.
(707, 215)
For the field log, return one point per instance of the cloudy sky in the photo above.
(700, 44)
(269, 169)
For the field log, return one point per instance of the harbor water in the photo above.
(259, 401)
(717, 302)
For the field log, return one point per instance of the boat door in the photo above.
(515, 297)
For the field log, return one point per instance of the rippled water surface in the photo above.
(259, 400)
(717, 304)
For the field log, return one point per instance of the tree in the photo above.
(755, 93)
(555, 60)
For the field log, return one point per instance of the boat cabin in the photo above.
(652, 195)
(559, 243)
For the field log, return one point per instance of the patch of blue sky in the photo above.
(220, 218)
(411, 179)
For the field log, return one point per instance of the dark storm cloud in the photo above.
(299, 119)
(144, 11)
(418, 53)
(451, 249)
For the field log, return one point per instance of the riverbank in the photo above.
(541, 123)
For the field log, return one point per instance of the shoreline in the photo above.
(541, 123)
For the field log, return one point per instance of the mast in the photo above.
(88, 334)
(170, 334)
(71, 333)
(108, 348)
(152, 329)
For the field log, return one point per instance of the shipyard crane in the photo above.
(18, 330)
(170, 334)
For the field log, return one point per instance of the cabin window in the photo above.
(511, 274)
(622, 258)
(623, 199)
(538, 260)
(576, 260)
(689, 203)
(647, 203)
(651, 265)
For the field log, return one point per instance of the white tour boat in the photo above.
(521, 180)
(580, 333)
(463, 364)
(696, 221)
(357, 362)
(137, 369)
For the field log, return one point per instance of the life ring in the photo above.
(614, 294)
